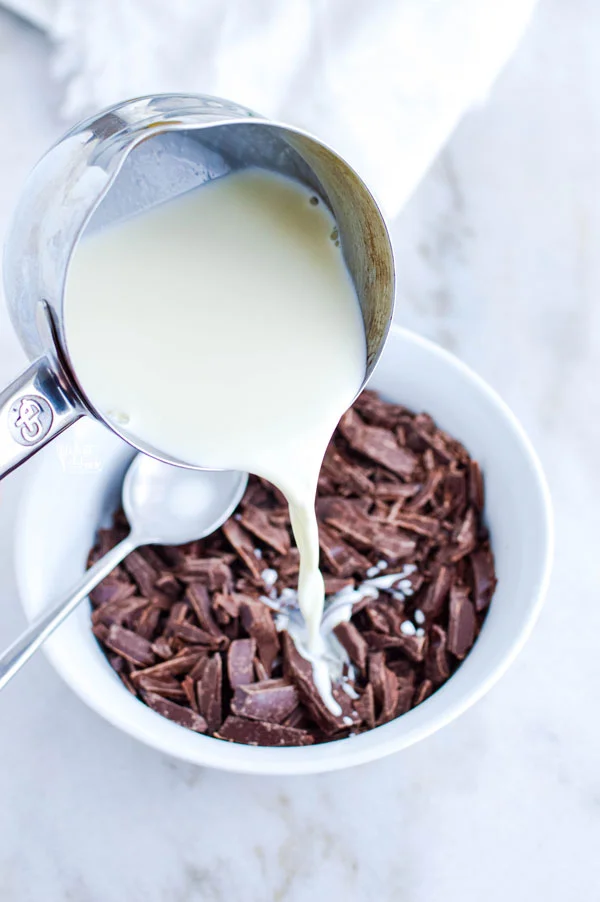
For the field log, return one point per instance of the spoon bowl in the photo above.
(170, 505)
(165, 505)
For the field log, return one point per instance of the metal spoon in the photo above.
(165, 505)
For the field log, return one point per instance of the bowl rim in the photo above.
(375, 743)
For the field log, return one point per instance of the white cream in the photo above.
(223, 329)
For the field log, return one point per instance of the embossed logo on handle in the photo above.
(30, 419)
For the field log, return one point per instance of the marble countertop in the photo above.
(498, 261)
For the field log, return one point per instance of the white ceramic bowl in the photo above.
(76, 486)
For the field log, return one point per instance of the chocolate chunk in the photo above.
(258, 523)
(378, 444)
(378, 412)
(240, 669)
(167, 687)
(437, 666)
(197, 597)
(335, 584)
(118, 610)
(146, 623)
(385, 687)
(242, 543)
(193, 635)
(484, 577)
(252, 732)
(189, 687)
(162, 648)
(177, 713)
(365, 706)
(299, 671)
(339, 556)
(226, 604)
(129, 645)
(423, 691)
(422, 526)
(143, 573)
(259, 624)
(461, 623)
(359, 527)
(181, 663)
(437, 591)
(465, 537)
(343, 473)
(427, 492)
(396, 491)
(214, 571)
(209, 692)
(476, 496)
(169, 585)
(353, 642)
(112, 589)
(270, 700)
(406, 691)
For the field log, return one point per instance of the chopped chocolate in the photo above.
(188, 633)
(129, 645)
(258, 523)
(185, 717)
(437, 665)
(143, 573)
(461, 623)
(365, 706)
(252, 732)
(199, 601)
(339, 556)
(385, 687)
(476, 496)
(167, 687)
(270, 700)
(436, 592)
(484, 577)
(242, 543)
(359, 527)
(209, 692)
(377, 443)
(240, 657)
(258, 623)
(423, 692)
(353, 642)
(112, 589)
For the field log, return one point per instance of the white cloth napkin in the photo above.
(382, 81)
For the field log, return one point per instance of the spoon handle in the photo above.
(36, 634)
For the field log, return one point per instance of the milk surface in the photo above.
(223, 329)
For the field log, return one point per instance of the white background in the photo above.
(499, 260)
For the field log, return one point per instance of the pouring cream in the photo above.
(223, 328)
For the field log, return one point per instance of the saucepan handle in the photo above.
(34, 409)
